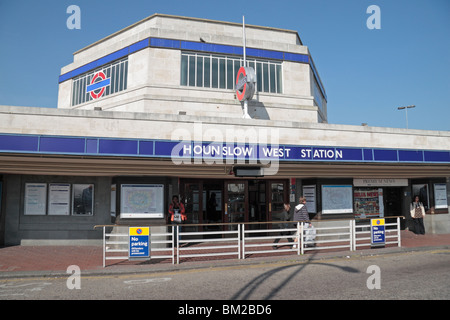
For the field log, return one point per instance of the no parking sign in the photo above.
(139, 242)
(377, 232)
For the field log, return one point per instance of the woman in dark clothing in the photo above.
(417, 211)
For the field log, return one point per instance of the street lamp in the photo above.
(406, 110)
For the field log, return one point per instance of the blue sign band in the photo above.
(42, 144)
(98, 85)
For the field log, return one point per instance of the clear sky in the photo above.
(367, 73)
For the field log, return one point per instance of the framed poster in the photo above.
(35, 198)
(440, 196)
(59, 199)
(83, 199)
(309, 192)
(142, 201)
(368, 202)
(337, 199)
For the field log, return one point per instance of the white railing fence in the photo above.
(115, 244)
(208, 243)
(362, 237)
(242, 240)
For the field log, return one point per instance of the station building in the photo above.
(152, 111)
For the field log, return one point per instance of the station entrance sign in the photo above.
(139, 242)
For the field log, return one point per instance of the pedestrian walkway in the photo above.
(48, 260)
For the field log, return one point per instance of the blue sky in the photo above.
(367, 73)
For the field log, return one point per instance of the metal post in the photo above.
(406, 112)
(177, 243)
(104, 246)
(398, 232)
(243, 41)
(239, 241)
(246, 115)
(173, 246)
(300, 249)
(243, 242)
(351, 234)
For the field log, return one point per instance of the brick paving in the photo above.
(54, 259)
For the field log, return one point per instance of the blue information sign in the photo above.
(139, 242)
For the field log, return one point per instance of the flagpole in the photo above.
(243, 40)
(246, 115)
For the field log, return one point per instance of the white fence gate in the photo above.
(243, 242)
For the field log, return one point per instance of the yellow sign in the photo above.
(377, 222)
(139, 231)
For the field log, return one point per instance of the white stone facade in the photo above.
(154, 73)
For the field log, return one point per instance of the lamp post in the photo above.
(406, 110)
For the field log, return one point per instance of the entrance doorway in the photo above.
(203, 201)
(393, 202)
(236, 202)
(209, 201)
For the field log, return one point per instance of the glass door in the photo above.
(257, 203)
(212, 204)
(277, 194)
(193, 203)
(236, 204)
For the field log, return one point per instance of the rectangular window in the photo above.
(108, 88)
(199, 72)
(184, 70)
(192, 71)
(230, 76)
(222, 73)
(113, 79)
(83, 199)
(207, 72)
(214, 71)
(237, 65)
(265, 75)
(259, 77)
(272, 78)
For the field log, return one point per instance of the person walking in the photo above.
(300, 215)
(417, 211)
(284, 217)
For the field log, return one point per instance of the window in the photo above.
(83, 199)
(318, 96)
(110, 79)
(214, 71)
